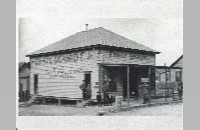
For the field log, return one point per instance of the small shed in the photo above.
(178, 62)
(24, 81)
(169, 78)
(179, 73)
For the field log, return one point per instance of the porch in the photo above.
(127, 80)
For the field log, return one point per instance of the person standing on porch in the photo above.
(144, 92)
(105, 89)
(83, 88)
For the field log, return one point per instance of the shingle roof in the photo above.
(21, 64)
(97, 36)
(175, 62)
(24, 64)
(24, 69)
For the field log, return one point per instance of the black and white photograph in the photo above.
(100, 66)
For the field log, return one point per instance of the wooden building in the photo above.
(174, 75)
(178, 73)
(178, 62)
(106, 61)
(24, 84)
(169, 78)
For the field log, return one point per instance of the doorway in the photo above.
(114, 80)
(35, 83)
(87, 78)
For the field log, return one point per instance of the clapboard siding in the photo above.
(74, 93)
(62, 74)
(120, 57)
(24, 72)
(179, 63)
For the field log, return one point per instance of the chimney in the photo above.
(86, 27)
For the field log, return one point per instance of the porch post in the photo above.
(181, 79)
(181, 75)
(170, 89)
(170, 74)
(100, 78)
(165, 85)
(149, 88)
(128, 85)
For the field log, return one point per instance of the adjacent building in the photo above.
(178, 73)
(169, 78)
(24, 81)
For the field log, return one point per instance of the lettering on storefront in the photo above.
(65, 58)
(113, 54)
(83, 56)
(56, 72)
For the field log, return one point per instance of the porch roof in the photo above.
(138, 65)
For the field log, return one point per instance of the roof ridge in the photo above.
(90, 37)
(90, 30)
(128, 39)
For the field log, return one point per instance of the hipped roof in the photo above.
(92, 37)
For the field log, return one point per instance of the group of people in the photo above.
(107, 100)
(86, 94)
(86, 91)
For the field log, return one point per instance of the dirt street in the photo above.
(54, 110)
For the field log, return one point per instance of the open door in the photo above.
(35, 83)
(88, 84)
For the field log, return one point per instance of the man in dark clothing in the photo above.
(180, 91)
(109, 98)
(99, 101)
(144, 92)
(83, 88)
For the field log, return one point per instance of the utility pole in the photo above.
(128, 85)
(149, 88)
(165, 83)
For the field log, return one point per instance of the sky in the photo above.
(155, 24)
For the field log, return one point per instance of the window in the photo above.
(178, 76)
(167, 77)
(20, 87)
(158, 77)
(35, 83)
